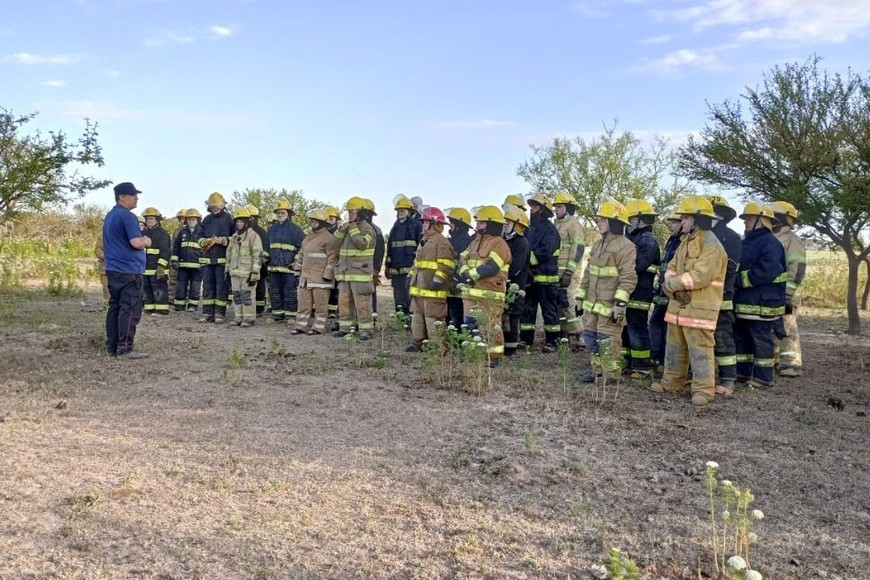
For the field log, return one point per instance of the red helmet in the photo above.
(433, 214)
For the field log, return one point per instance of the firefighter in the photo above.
(262, 283)
(483, 278)
(186, 261)
(608, 281)
(725, 349)
(217, 227)
(417, 208)
(694, 282)
(460, 223)
(759, 296)
(334, 219)
(244, 257)
(789, 348)
(516, 200)
(635, 335)
(285, 239)
(657, 326)
(156, 286)
(430, 279)
(173, 272)
(315, 266)
(516, 224)
(404, 237)
(380, 251)
(356, 252)
(570, 258)
(543, 289)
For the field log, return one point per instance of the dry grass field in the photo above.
(256, 454)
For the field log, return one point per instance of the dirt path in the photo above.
(234, 454)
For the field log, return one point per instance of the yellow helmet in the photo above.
(515, 199)
(720, 202)
(182, 213)
(613, 210)
(253, 210)
(333, 212)
(151, 212)
(756, 208)
(283, 204)
(784, 207)
(193, 213)
(695, 205)
(674, 217)
(216, 199)
(564, 198)
(490, 213)
(241, 213)
(459, 214)
(355, 203)
(541, 199)
(402, 202)
(319, 214)
(514, 214)
(369, 205)
(639, 207)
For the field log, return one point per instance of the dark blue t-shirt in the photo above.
(119, 228)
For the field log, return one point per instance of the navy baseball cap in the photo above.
(126, 188)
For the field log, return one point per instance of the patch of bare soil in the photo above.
(253, 453)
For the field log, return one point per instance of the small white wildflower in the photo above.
(405, 326)
(726, 483)
(752, 537)
(497, 327)
(726, 514)
(349, 337)
(753, 575)
(757, 515)
(712, 465)
(375, 315)
(475, 331)
(425, 341)
(464, 343)
(392, 314)
(439, 323)
(563, 340)
(736, 563)
(451, 327)
(481, 344)
(476, 339)
(521, 293)
(464, 326)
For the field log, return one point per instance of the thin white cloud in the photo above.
(656, 39)
(221, 31)
(475, 124)
(53, 84)
(801, 21)
(591, 9)
(165, 37)
(27, 58)
(678, 60)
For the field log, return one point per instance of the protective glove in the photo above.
(376, 279)
(173, 263)
(565, 279)
(160, 272)
(207, 244)
(618, 312)
(436, 284)
(465, 278)
(253, 278)
(684, 298)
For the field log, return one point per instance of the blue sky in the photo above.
(440, 99)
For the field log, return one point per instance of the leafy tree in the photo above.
(38, 171)
(265, 200)
(617, 165)
(804, 138)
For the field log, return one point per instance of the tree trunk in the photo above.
(865, 298)
(852, 293)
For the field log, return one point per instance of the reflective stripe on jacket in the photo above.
(571, 236)
(434, 260)
(402, 245)
(697, 272)
(159, 252)
(243, 254)
(216, 226)
(316, 260)
(187, 248)
(482, 249)
(610, 276)
(356, 252)
(761, 279)
(795, 260)
(544, 243)
(285, 239)
(646, 266)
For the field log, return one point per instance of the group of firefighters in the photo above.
(712, 311)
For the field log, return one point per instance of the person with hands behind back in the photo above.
(244, 254)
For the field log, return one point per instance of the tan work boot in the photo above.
(700, 399)
(723, 390)
(790, 372)
(663, 387)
